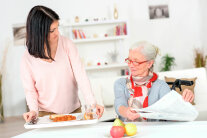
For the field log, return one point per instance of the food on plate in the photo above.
(61, 117)
(130, 129)
(88, 116)
(55, 115)
(117, 131)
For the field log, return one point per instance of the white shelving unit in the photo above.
(110, 38)
(96, 23)
(102, 67)
(94, 27)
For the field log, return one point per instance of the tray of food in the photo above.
(59, 120)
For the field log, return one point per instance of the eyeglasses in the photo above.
(135, 63)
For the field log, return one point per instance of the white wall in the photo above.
(203, 16)
(177, 35)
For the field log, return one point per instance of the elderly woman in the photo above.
(142, 84)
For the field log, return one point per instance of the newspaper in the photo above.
(170, 107)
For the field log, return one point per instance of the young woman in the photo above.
(51, 69)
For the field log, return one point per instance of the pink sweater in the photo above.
(52, 87)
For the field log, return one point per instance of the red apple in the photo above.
(117, 131)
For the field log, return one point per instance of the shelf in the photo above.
(112, 66)
(96, 23)
(109, 38)
(90, 28)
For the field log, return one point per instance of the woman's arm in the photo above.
(164, 89)
(79, 73)
(29, 87)
(121, 103)
(187, 94)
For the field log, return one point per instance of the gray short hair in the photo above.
(147, 49)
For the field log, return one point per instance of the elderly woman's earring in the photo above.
(150, 69)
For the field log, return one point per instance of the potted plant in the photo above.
(167, 62)
(200, 59)
(113, 55)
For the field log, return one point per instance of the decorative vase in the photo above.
(1, 102)
(77, 19)
(115, 12)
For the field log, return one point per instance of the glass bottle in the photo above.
(115, 12)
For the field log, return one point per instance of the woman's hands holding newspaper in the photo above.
(128, 113)
(188, 95)
(131, 114)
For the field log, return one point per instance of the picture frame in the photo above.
(158, 12)
(19, 34)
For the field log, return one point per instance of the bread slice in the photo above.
(52, 117)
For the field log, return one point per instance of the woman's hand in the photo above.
(29, 116)
(188, 95)
(99, 110)
(131, 114)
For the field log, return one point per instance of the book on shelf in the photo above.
(74, 34)
(78, 34)
(120, 30)
(83, 34)
(125, 29)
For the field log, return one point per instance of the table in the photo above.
(196, 129)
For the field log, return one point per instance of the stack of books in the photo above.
(78, 34)
(120, 30)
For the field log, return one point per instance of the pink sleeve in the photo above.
(29, 85)
(79, 73)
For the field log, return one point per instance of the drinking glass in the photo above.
(90, 112)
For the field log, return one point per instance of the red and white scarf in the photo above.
(138, 89)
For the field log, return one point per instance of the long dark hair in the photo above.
(38, 25)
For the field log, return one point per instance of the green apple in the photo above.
(118, 122)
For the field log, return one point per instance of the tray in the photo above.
(45, 122)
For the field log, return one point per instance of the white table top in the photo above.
(196, 129)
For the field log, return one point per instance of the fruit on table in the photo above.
(117, 131)
(118, 122)
(130, 129)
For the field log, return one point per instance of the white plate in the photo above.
(107, 135)
(44, 122)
